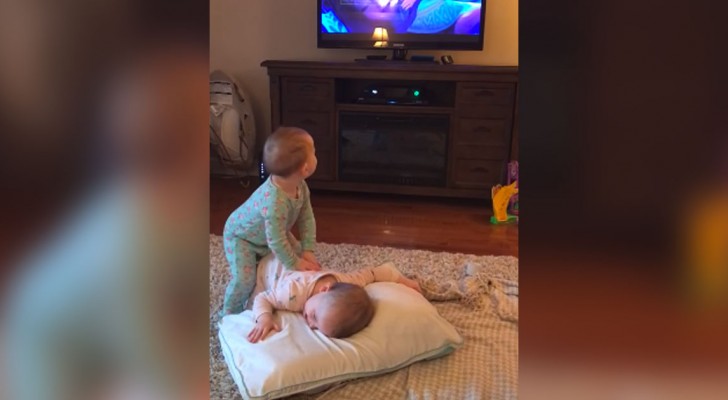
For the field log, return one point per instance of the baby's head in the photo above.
(288, 151)
(339, 312)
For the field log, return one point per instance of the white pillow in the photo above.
(405, 329)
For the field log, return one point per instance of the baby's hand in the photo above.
(306, 265)
(264, 325)
(309, 256)
(410, 283)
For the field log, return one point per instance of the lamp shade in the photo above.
(380, 34)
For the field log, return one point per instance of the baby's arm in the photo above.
(264, 303)
(263, 308)
(307, 223)
(276, 235)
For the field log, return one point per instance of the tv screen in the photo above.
(401, 24)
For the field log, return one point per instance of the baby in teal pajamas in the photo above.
(263, 223)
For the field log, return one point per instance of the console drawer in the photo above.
(480, 152)
(306, 94)
(491, 93)
(476, 174)
(493, 132)
(486, 100)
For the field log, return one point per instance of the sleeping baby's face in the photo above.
(317, 308)
(319, 314)
(339, 310)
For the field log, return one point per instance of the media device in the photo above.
(393, 94)
(401, 25)
(418, 58)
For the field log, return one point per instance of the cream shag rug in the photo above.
(467, 279)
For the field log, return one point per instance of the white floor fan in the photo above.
(232, 128)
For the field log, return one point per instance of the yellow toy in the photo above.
(501, 196)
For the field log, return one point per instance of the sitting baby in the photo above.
(335, 303)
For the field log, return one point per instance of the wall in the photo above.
(244, 33)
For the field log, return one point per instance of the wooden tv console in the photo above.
(480, 102)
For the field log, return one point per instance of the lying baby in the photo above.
(335, 303)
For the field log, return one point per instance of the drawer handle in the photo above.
(307, 88)
(483, 129)
(484, 93)
(479, 169)
(308, 121)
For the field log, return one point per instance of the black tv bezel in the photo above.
(422, 45)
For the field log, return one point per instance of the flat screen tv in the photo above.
(401, 24)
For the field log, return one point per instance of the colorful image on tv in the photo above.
(456, 17)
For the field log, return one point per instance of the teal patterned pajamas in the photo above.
(260, 226)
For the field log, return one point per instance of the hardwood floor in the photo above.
(437, 224)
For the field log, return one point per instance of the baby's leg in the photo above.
(241, 256)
